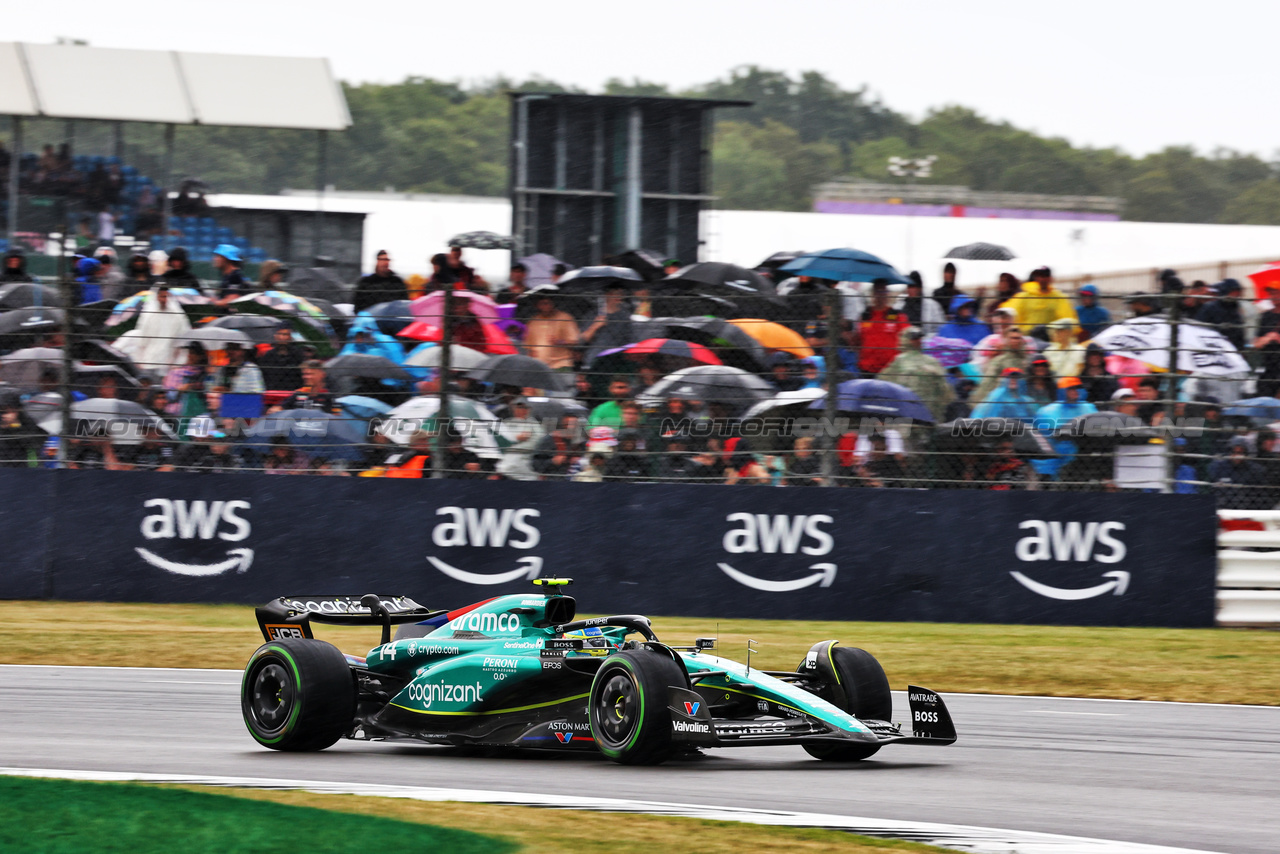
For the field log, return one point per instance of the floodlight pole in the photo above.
(911, 168)
(322, 163)
(15, 162)
(166, 205)
(830, 439)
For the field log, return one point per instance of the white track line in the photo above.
(978, 840)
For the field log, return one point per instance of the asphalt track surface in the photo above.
(1190, 776)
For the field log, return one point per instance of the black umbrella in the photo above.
(583, 307)
(26, 294)
(481, 240)
(320, 282)
(36, 321)
(340, 321)
(647, 262)
(981, 252)
(594, 280)
(88, 378)
(734, 346)
(259, 328)
(716, 273)
(515, 370)
(555, 408)
(392, 316)
(22, 368)
(975, 435)
(322, 434)
(364, 366)
(714, 383)
(777, 259)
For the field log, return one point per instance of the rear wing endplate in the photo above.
(291, 616)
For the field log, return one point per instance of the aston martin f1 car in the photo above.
(519, 671)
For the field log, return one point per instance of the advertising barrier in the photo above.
(697, 551)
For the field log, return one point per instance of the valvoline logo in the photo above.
(691, 709)
(564, 737)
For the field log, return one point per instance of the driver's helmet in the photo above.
(592, 639)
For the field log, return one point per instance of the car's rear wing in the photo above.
(291, 616)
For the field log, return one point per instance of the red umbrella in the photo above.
(1268, 276)
(489, 338)
(673, 347)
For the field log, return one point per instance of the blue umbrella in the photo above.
(844, 265)
(364, 407)
(321, 434)
(878, 398)
(1263, 410)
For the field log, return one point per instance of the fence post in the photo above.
(832, 357)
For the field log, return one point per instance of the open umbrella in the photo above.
(460, 358)
(594, 280)
(22, 368)
(494, 341)
(364, 366)
(733, 345)
(392, 317)
(315, 432)
(777, 260)
(259, 329)
(308, 319)
(125, 422)
(319, 282)
(797, 398)
(981, 252)
(27, 294)
(125, 314)
(717, 273)
(481, 240)
(673, 347)
(714, 383)
(775, 336)
(1201, 349)
(581, 306)
(218, 338)
(515, 370)
(34, 321)
(555, 408)
(647, 262)
(1268, 276)
(478, 426)
(431, 307)
(844, 265)
(1260, 410)
(879, 398)
(363, 407)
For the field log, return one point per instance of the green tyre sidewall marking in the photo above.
(297, 682)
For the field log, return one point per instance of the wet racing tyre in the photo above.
(628, 706)
(859, 688)
(298, 694)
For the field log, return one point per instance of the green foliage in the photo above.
(432, 136)
(64, 817)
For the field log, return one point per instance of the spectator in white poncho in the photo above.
(154, 343)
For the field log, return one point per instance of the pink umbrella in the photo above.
(431, 307)
(1125, 369)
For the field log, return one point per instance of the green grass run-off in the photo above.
(40, 816)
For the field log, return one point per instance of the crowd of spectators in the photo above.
(1023, 352)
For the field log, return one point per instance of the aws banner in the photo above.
(699, 551)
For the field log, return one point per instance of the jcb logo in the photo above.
(188, 520)
(471, 526)
(760, 532)
(1072, 541)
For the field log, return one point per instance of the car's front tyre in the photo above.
(630, 720)
(855, 682)
(298, 694)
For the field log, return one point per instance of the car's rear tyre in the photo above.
(298, 694)
(860, 688)
(628, 707)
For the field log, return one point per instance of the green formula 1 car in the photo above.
(519, 671)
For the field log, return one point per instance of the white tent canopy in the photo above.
(169, 87)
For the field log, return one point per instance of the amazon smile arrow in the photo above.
(532, 566)
(235, 557)
(825, 575)
(1119, 583)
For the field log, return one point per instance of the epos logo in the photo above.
(189, 520)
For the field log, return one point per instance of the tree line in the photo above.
(430, 136)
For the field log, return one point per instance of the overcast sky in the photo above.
(1138, 75)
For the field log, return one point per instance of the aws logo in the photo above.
(487, 527)
(190, 520)
(779, 534)
(1074, 542)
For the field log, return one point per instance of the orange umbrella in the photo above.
(775, 336)
(1267, 277)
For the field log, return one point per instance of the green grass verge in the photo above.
(1194, 665)
(67, 817)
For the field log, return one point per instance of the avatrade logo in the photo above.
(187, 520)
(691, 709)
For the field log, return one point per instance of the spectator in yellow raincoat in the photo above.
(1040, 303)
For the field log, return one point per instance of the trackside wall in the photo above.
(700, 551)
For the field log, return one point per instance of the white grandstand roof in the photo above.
(169, 87)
